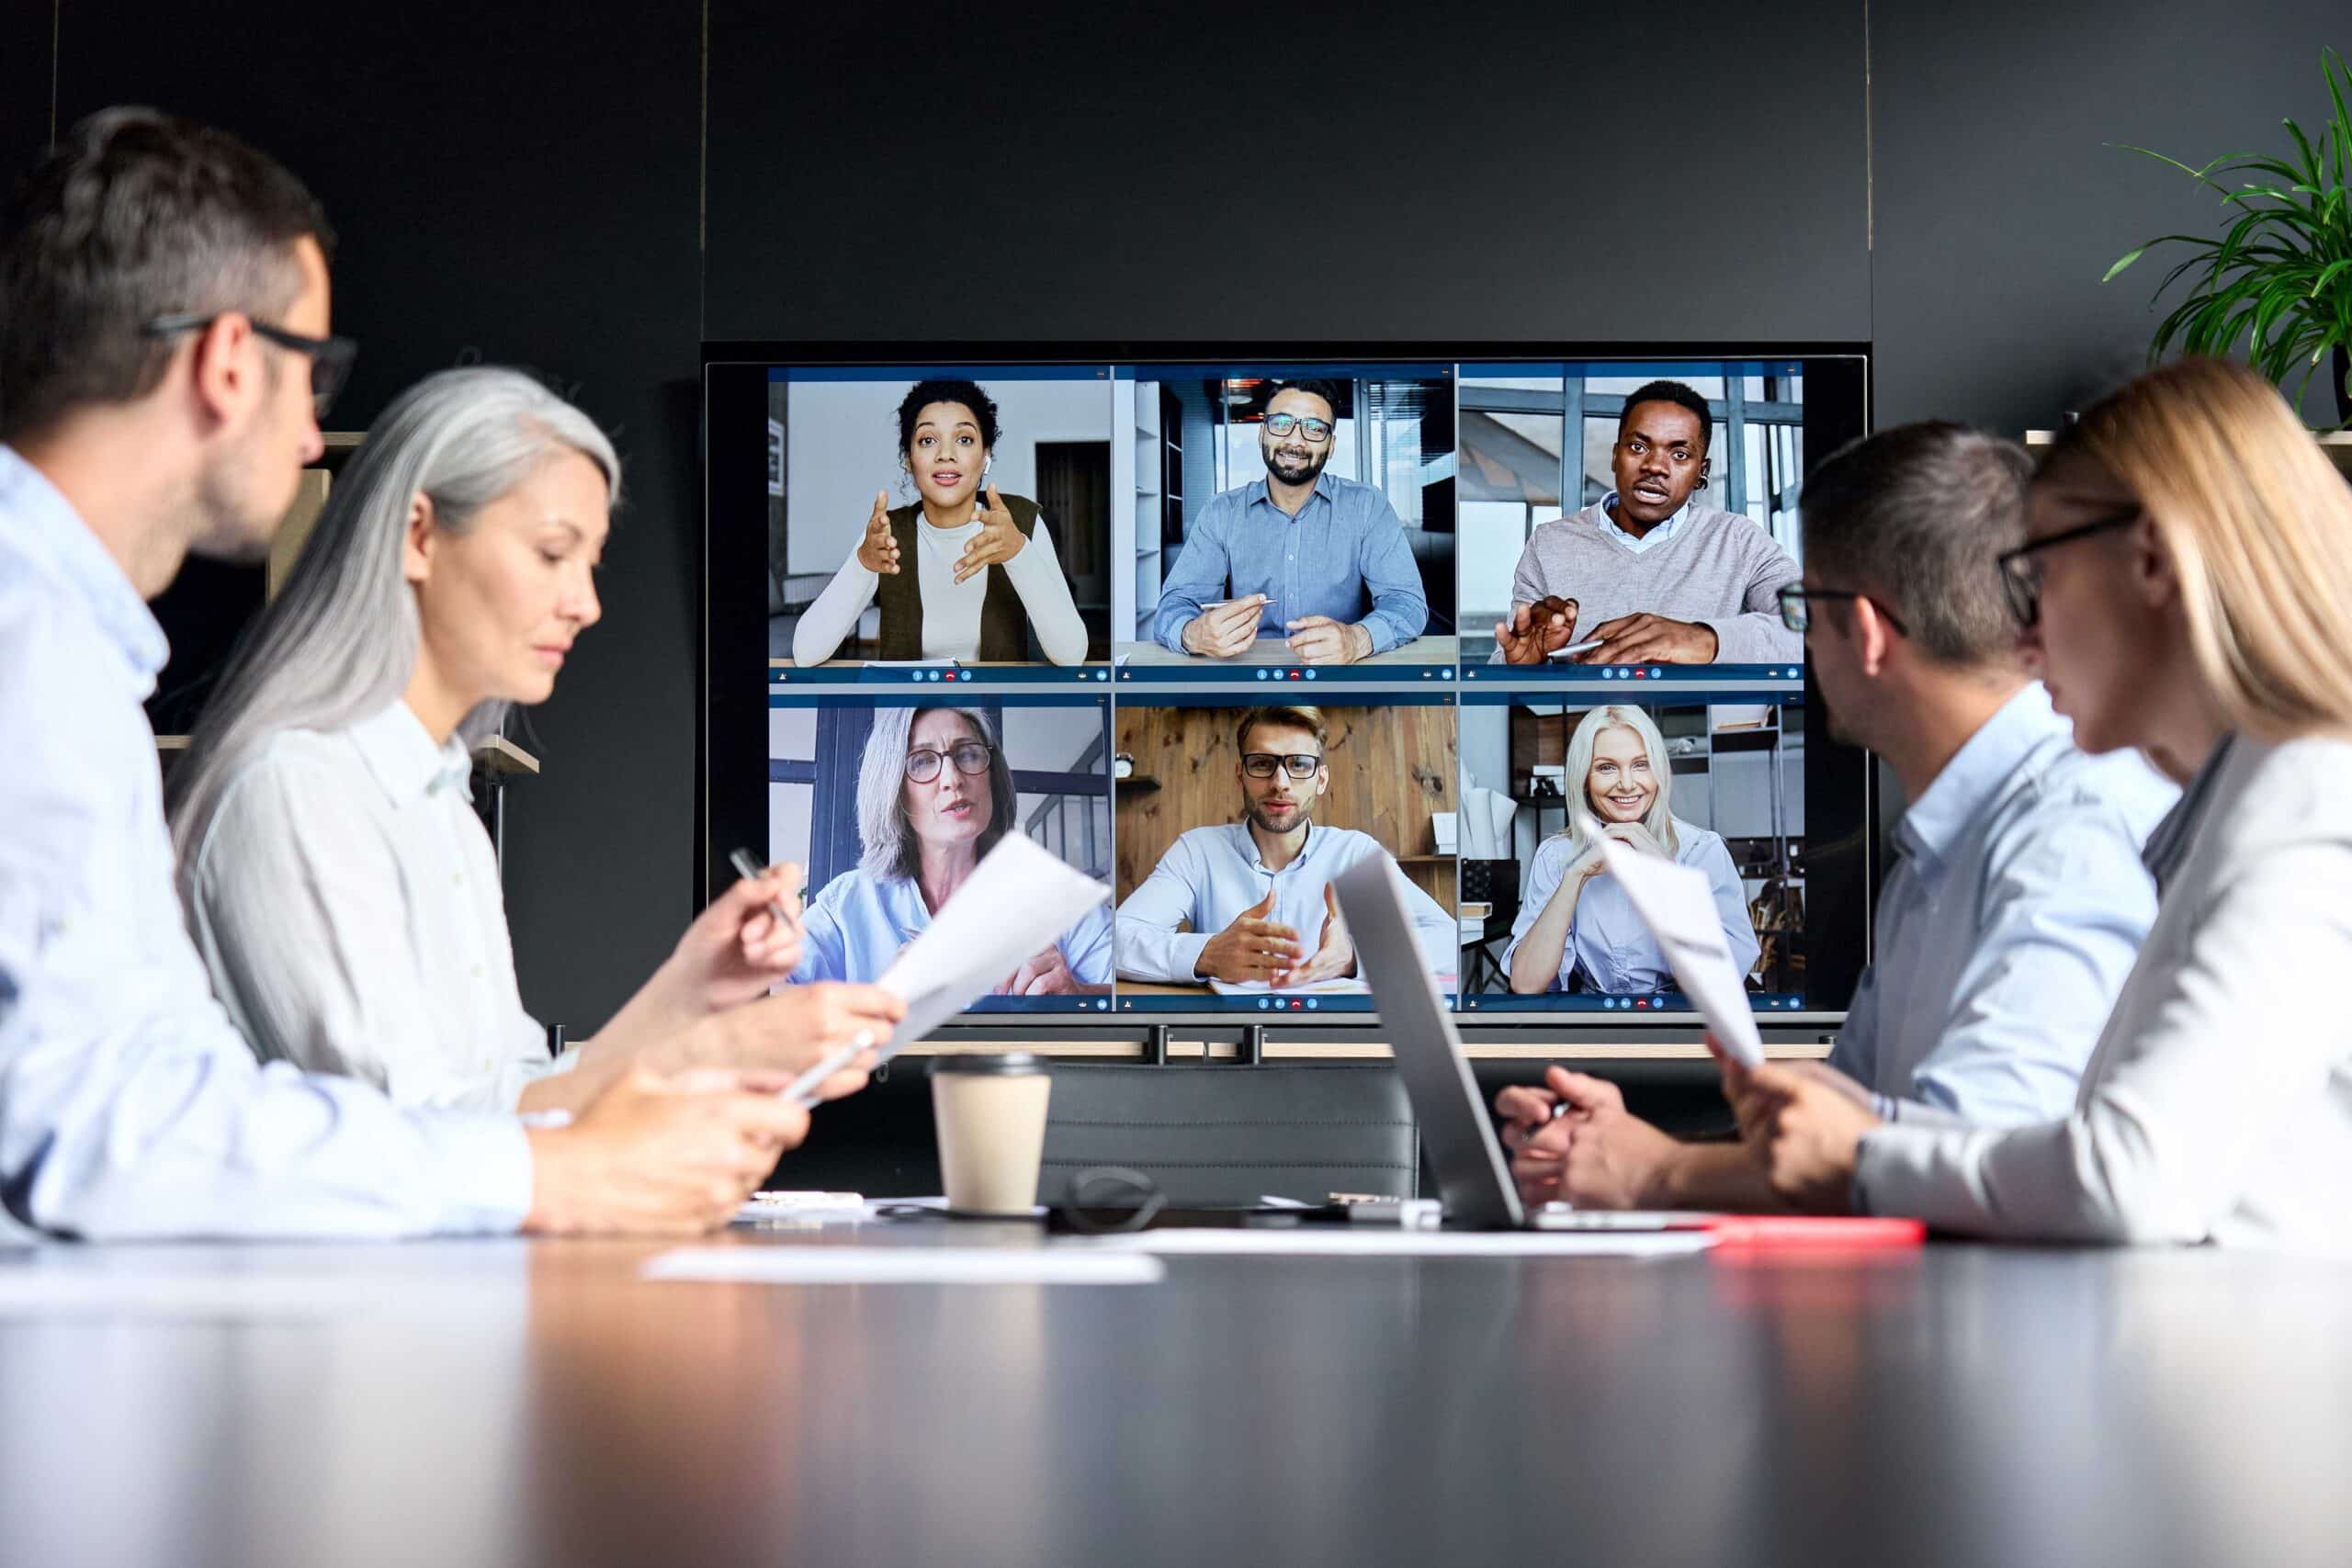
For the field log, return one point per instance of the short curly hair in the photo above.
(923, 394)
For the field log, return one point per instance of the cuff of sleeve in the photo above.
(486, 1163)
(1028, 568)
(1171, 637)
(564, 1062)
(1184, 953)
(1384, 634)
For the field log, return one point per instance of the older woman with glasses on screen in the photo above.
(935, 794)
(1576, 929)
(2183, 587)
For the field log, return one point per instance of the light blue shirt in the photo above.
(2008, 925)
(1649, 541)
(129, 1107)
(1210, 875)
(1607, 939)
(1344, 555)
(855, 926)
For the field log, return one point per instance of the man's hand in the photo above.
(1319, 639)
(877, 552)
(999, 540)
(1254, 947)
(1805, 1132)
(1046, 975)
(1335, 955)
(654, 1156)
(1536, 631)
(1544, 1125)
(1650, 639)
(1224, 630)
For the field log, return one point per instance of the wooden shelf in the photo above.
(2337, 444)
(1142, 783)
(497, 754)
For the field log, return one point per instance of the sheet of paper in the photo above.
(1341, 985)
(837, 1265)
(1017, 900)
(1678, 907)
(1381, 1241)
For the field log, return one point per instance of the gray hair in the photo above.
(1582, 821)
(340, 641)
(1917, 517)
(883, 831)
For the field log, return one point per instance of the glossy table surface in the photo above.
(537, 1403)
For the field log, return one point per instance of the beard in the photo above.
(1256, 812)
(1293, 469)
(226, 520)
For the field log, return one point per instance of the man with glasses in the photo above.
(165, 359)
(1301, 555)
(1647, 574)
(1257, 893)
(2019, 900)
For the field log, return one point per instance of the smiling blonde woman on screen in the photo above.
(337, 882)
(1574, 919)
(2185, 587)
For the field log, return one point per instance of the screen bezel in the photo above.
(731, 805)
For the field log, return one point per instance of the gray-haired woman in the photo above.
(341, 890)
(935, 794)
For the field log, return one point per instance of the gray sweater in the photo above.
(1719, 570)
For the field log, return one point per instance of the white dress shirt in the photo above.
(347, 904)
(1210, 875)
(951, 610)
(2217, 1106)
(129, 1106)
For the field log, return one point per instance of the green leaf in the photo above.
(2123, 261)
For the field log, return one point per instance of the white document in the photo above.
(1381, 1241)
(1017, 900)
(838, 1265)
(1338, 985)
(1678, 907)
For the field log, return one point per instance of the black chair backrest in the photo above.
(1214, 1136)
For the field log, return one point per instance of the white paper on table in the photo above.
(831, 1265)
(1678, 907)
(1340, 985)
(1383, 1241)
(1012, 907)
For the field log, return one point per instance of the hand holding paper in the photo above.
(1678, 907)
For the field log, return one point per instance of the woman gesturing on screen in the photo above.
(935, 794)
(1573, 918)
(335, 879)
(961, 574)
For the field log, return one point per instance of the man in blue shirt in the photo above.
(1301, 555)
(166, 361)
(2020, 900)
(1257, 893)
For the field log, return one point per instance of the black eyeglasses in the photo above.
(2021, 574)
(1297, 764)
(970, 757)
(1316, 431)
(1797, 600)
(331, 357)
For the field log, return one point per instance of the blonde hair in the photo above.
(1287, 715)
(2259, 526)
(1659, 819)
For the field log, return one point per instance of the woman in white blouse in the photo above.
(984, 573)
(337, 880)
(2185, 587)
(1573, 918)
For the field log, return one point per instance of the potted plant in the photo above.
(2280, 278)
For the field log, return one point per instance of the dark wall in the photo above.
(525, 183)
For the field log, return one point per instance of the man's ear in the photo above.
(418, 539)
(1873, 638)
(225, 380)
(1706, 472)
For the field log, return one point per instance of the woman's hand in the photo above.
(877, 552)
(1637, 837)
(998, 541)
(736, 950)
(1803, 1129)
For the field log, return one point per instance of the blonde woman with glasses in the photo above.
(1576, 929)
(2183, 588)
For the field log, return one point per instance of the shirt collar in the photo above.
(1249, 842)
(1263, 494)
(1657, 535)
(401, 755)
(1976, 772)
(48, 524)
(2168, 845)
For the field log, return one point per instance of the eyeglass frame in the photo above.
(331, 357)
(2024, 592)
(1280, 763)
(941, 760)
(1804, 596)
(1299, 422)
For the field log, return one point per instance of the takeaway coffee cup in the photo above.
(990, 1109)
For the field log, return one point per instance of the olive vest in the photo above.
(1004, 625)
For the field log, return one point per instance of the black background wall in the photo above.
(561, 186)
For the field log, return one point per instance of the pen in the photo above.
(802, 1090)
(747, 866)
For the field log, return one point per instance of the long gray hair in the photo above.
(882, 831)
(340, 641)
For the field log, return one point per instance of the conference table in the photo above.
(521, 1402)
